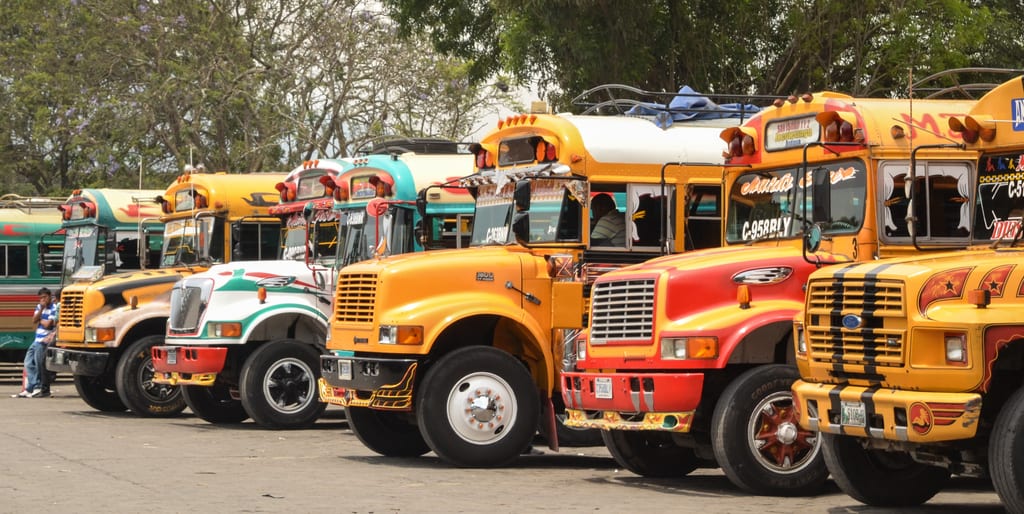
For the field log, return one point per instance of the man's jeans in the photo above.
(35, 367)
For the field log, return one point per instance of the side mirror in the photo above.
(421, 202)
(812, 238)
(521, 196)
(821, 196)
(521, 226)
(307, 211)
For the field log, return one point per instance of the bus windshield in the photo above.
(80, 249)
(355, 242)
(555, 212)
(776, 204)
(187, 241)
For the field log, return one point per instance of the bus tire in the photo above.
(214, 404)
(650, 453)
(757, 440)
(478, 407)
(1006, 453)
(278, 385)
(134, 379)
(96, 393)
(387, 433)
(878, 477)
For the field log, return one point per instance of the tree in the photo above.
(729, 46)
(98, 89)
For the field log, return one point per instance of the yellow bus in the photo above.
(108, 324)
(911, 368)
(458, 351)
(688, 361)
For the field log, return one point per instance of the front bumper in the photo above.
(331, 395)
(631, 401)
(188, 365)
(890, 414)
(78, 362)
(375, 383)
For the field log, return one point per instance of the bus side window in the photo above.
(704, 217)
(16, 257)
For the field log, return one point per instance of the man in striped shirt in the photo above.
(45, 318)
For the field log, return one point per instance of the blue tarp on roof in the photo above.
(691, 105)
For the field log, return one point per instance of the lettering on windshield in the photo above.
(766, 227)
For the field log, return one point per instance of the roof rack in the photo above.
(398, 145)
(953, 82)
(27, 203)
(621, 99)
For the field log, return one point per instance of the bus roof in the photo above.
(410, 172)
(119, 208)
(997, 120)
(25, 225)
(238, 194)
(621, 139)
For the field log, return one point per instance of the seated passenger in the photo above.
(609, 227)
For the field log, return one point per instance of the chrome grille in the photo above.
(71, 305)
(355, 297)
(622, 310)
(874, 308)
(186, 308)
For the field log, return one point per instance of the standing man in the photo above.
(45, 318)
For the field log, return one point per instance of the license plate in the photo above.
(853, 414)
(172, 356)
(345, 370)
(603, 387)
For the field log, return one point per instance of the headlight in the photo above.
(678, 348)
(230, 329)
(581, 348)
(400, 334)
(99, 334)
(801, 343)
(956, 348)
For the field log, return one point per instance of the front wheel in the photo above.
(278, 385)
(98, 394)
(214, 404)
(1006, 453)
(756, 438)
(387, 433)
(478, 407)
(878, 477)
(135, 384)
(650, 453)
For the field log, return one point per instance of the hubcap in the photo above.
(776, 440)
(158, 393)
(289, 385)
(481, 406)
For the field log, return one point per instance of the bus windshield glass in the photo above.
(777, 204)
(80, 249)
(555, 212)
(187, 241)
(355, 241)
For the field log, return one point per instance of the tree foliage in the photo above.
(868, 48)
(97, 90)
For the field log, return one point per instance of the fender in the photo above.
(124, 318)
(446, 310)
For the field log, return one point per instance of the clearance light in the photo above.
(979, 297)
(400, 334)
(133, 302)
(959, 125)
(897, 132)
(839, 127)
(956, 348)
(330, 186)
(230, 329)
(545, 152)
(741, 140)
(982, 124)
(743, 296)
(674, 348)
(261, 294)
